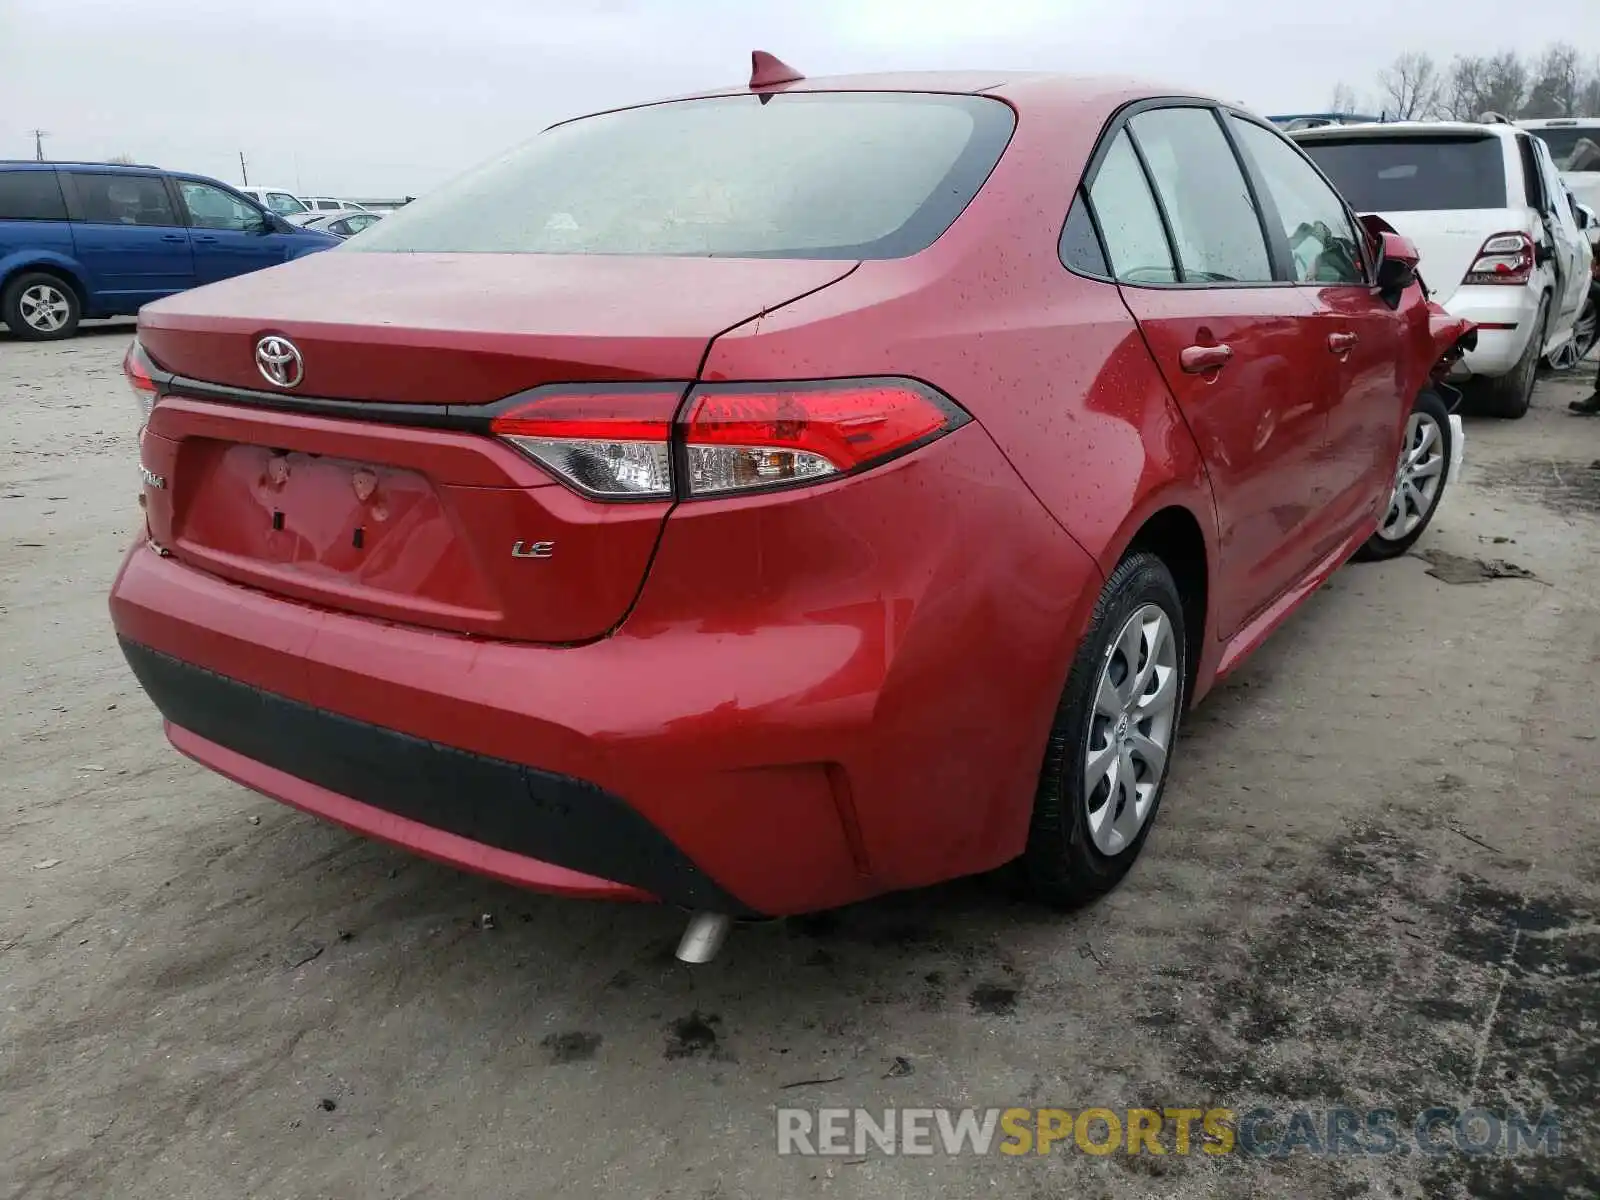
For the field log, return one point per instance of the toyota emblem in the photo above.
(279, 362)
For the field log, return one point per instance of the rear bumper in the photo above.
(1505, 317)
(495, 816)
(767, 733)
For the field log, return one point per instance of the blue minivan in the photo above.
(98, 240)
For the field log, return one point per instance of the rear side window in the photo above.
(1135, 240)
(1532, 176)
(107, 199)
(1207, 201)
(790, 175)
(1414, 174)
(31, 196)
(1080, 245)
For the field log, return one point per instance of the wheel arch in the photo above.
(1174, 535)
(51, 264)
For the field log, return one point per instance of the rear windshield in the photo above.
(790, 175)
(1573, 148)
(1412, 174)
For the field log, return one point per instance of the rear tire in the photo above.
(1420, 479)
(1585, 336)
(1510, 395)
(40, 307)
(1100, 790)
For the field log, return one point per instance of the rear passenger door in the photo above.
(1227, 330)
(130, 239)
(1358, 335)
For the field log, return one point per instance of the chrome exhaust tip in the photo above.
(703, 937)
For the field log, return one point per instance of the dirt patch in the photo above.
(1563, 485)
(1458, 568)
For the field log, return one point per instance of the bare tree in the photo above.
(1558, 83)
(1464, 89)
(1589, 102)
(1343, 100)
(1476, 86)
(1505, 84)
(124, 160)
(1412, 88)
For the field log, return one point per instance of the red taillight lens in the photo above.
(743, 436)
(137, 367)
(1505, 258)
(613, 443)
(616, 443)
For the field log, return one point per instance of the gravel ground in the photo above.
(1376, 882)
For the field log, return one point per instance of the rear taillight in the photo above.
(617, 443)
(1505, 258)
(611, 443)
(137, 367)
(740, 436)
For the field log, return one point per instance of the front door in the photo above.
(1231, 340)
(129, 238)
(231, 236)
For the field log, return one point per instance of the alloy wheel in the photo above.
(1417, 479)
(45, 308)
(1135, 713)
(1585, 334)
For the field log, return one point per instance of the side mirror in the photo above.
(1397, 267)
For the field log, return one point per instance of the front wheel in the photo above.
(1105, 764)
(1419, 480)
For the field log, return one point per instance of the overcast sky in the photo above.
(379, 97)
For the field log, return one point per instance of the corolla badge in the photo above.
(279, 361)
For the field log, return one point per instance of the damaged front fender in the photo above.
(1450, 338)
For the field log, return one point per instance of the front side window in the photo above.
(1322, 239)
(30, 195)
(284, 204)
(786, 175)
(1207, 201)
(107, 199)
(212, 208)
(1126, 211)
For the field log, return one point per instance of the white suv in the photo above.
(1499, 241)
(1574, 144)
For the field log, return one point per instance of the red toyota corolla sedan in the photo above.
(766, 499)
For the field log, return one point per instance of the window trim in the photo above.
(1266, 204)
(1277, 255)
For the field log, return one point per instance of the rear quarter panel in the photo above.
(25, 244)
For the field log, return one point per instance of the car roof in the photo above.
(1402, 129)
(1560, 123)
(35, 165)
(1026, 89)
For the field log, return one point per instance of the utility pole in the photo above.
(38, 143)
(244, 170)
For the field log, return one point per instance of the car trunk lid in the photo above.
(373, 487)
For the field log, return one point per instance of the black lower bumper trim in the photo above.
(553, 818)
